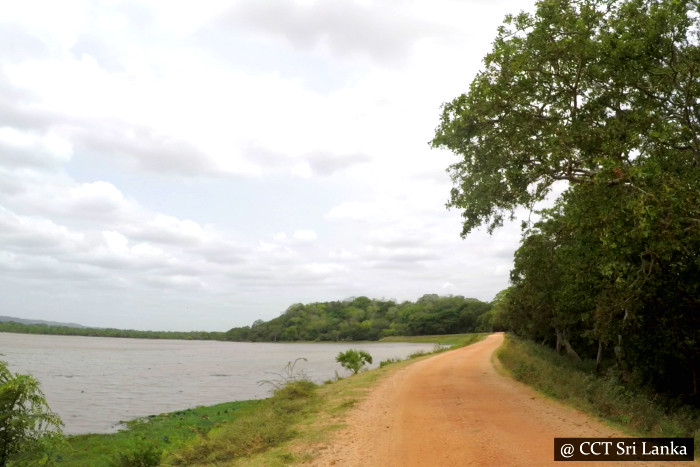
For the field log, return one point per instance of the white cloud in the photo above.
(305, 235)
(357, 211)
(20, 148)
(302, 170)
(163, 228)
(36, 234)
(240, 156)
(342, 28)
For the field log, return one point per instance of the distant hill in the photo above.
(365, 319)
(39, 321)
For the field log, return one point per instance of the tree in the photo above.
(605, 96)
(583, 91)
(27, 424)
(354, 360)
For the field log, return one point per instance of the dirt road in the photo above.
(456, 409)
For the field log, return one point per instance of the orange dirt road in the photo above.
(456, 409)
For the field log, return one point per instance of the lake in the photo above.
(93, 383)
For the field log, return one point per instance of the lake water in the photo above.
(93, 383)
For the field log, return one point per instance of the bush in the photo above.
(353, 360)
(29, 428)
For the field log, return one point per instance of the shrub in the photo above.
(29, 428)
(353, 359)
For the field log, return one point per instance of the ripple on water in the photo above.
(94, 383)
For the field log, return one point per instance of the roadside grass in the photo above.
(442, 343)
(270, 424)
(149, 436)
(637, 412)
(450, 340)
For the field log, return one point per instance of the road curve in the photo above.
(456, 409)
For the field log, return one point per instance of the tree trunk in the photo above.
(599, 357)
(562, 340)
(620, 354)
(570, 350)
(559, 339)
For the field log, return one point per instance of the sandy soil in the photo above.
(456, 409)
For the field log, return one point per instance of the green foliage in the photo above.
(639, 411)
(366, 319)
(603, 272)
(582, 91)
(28, 428)
(358, 319)
(604, 95)
(11, 326)
(354, 360)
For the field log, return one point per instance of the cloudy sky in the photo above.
(200, 165)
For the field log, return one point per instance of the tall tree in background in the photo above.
(604, 95)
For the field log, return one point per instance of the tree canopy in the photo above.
(362, 318)
(583, 91)
(604, 95)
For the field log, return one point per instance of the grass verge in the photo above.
(450, 340)
(638, 412)
(149, 437)
(270, 424)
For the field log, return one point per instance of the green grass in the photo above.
(638, 412)
(284, 429)
(269, 425)
(160, 433)
(450, 340)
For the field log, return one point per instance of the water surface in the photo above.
(93, 383)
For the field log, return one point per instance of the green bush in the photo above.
(29, 429)
(353, 360)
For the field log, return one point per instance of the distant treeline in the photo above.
(356, 319)
(362, 318)
(11, 326)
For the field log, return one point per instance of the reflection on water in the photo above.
(93, 383)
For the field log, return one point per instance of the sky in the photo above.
(171, 165)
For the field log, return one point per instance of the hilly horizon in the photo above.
(39, 321)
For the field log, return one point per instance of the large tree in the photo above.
(604, 95)
(582, 91)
